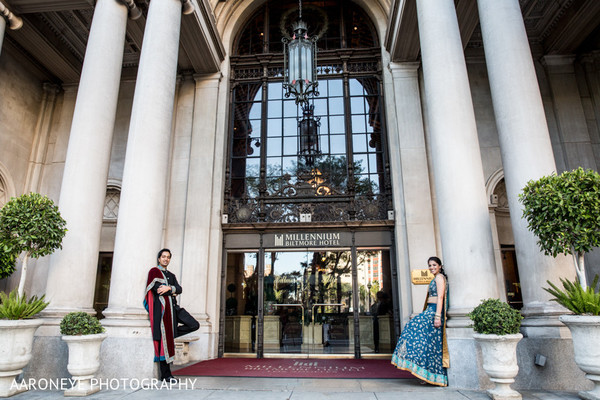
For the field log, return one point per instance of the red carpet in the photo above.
(295, 368)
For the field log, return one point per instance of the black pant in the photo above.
(189, 324)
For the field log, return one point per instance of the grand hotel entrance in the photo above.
(329, 301)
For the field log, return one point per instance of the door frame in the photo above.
(254, 242)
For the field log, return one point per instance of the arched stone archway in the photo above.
(503, 239)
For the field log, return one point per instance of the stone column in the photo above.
(458, 173)
(413, 202)
(199, 272)
(525, 145)
(144, 189)
(14, 22)
(83, 187)
(179, 173)
(574, 135)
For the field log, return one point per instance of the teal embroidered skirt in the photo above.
(419, 349)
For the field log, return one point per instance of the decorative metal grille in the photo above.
(265, 178)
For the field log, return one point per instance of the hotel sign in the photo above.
(308, 239)
(421, 276)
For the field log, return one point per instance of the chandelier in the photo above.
(300, 81)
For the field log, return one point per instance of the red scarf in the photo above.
(160, 310)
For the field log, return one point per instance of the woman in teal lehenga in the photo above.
(422, 348)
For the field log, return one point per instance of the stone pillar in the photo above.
(179, 173)
(574, 135)
(39, 149)
(14, 22)
(458, 172)
(413, 202)
(200, 272)
(142, 208)
(144, 189)
(525, 146)
(83, 187)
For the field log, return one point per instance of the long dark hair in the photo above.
(439, 262)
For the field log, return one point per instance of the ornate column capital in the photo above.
(187, 7)
(134, 11)
(14, 22)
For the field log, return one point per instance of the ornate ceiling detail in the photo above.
(55, 32)
(557, 26)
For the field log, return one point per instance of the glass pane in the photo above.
(274, 127)
(338, 144)
(273, 166)
(275, 90)
(255, 109)
(325, 145)
(376, 319)
(335, 87)
(360, 163)
(324, 126)
(375, 182)
(358, 123)
(255, 128)
(290, 146)
(357, 105)
(320, 107)
(290, 109)
(372, 162)
(336, 106)
(241, 304)
(274, 147)
(289, 165)
(356, 89)
(359, 143)
(274, 109)
(337, 124)
(290, 127)
(252, 167)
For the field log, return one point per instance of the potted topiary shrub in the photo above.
(84, 335)
(30, 227)
(496, 325)
(563, 211)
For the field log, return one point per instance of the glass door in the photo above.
(241, 303)
(308, 303)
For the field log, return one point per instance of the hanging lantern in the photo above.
(300, 75)
(308, 136)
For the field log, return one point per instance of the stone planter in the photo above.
(500, 363)
(16, 337)
(585, 330)
(84, 361)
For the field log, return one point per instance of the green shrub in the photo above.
(495, 317)
(7, 263)
(30, 226)
(575, 298)
(563, 211)
(14, 306)
(80, 323)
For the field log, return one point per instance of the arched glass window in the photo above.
(267, 178)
